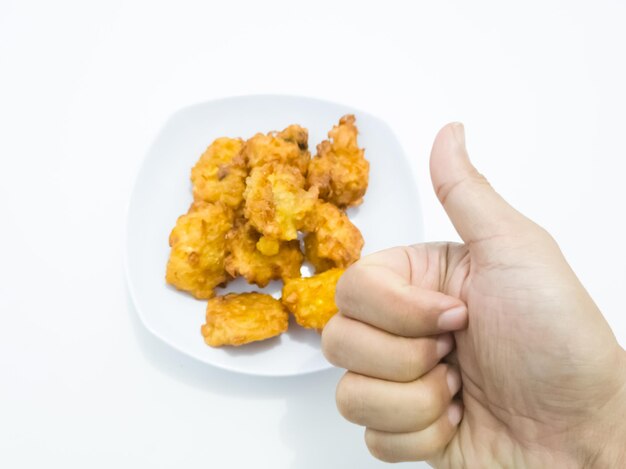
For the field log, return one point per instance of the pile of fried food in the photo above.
(251, 200)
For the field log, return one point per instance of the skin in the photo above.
(483, 354)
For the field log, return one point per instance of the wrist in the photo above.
(603, 444)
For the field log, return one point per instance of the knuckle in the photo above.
(473, 178)
(357, 278)
(480, 179)
(344, 294)
(331, 341)
(347, 398)
(379, 446)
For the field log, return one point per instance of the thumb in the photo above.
(476, 210)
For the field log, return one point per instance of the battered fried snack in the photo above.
(339, 170)
(312, 300)
(220, 173)
(244, 259)
(276, 203)
(332, 241)
(250, 201)
(289, 147)
(196, 262)
(240, 318)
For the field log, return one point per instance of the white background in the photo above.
(84, 87)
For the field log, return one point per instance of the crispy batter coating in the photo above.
(240, 318)
(244, 259)
(220, 173)
(333, 240)
(196, 262)
(276, 203)
(312, 299)
(289, 147)
(251, 198)
(339, 170)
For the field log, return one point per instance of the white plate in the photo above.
(389, 216)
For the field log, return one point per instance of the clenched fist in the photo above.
(483, 354)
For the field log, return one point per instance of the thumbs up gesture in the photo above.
(488, 353)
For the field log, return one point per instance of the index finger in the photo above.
(379, 296)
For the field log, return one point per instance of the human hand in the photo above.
(543, 378)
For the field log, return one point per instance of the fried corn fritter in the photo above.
(252, 199)
(333, 240)
(339, 170)
(312, 299)
(240, 318)
(198, 243)
(220, 173)
(276, 203)
(289, 147)
(245, 259)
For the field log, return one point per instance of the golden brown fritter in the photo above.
(251, 199)
(220, 173)
(312, 299)
(339, 170)
(289, 147)
(196, 262)
(332, 241)
(276, 203)
(244, 259)
(240, 318)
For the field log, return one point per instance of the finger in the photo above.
(424, 265)
(397, 407)
(368, 351)
(415, 446)
(474, 207)
(383, 299)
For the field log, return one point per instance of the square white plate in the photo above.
(389, 216)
